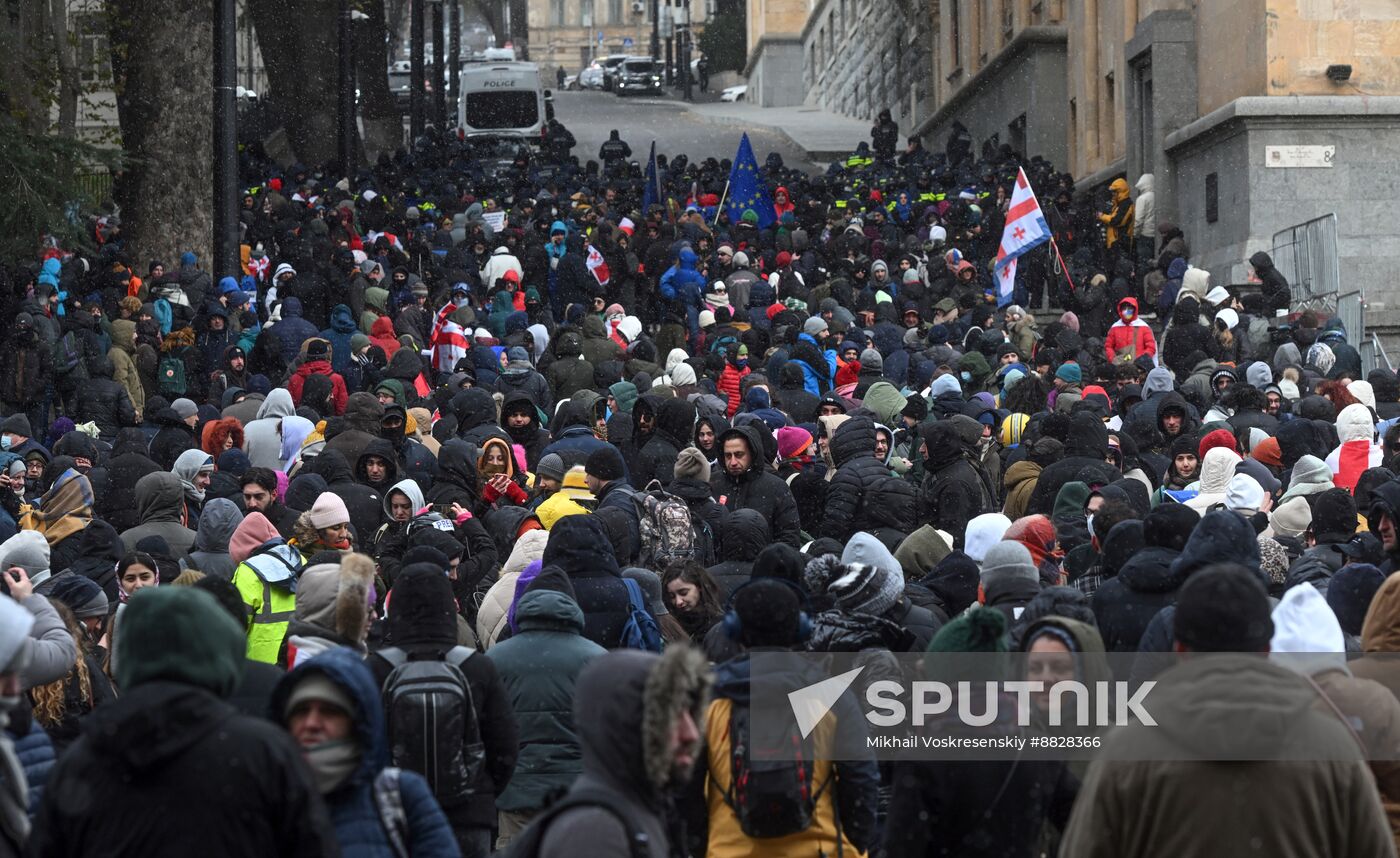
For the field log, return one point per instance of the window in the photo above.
(955, 33)
(1212, 197)
(615, 15)
(90, 33)
(585, 14)
(556, 13)
(1110, 114)
(1145, 138)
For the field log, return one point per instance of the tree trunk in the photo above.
(163, 77)
(300, 51)
(66, 54)
(383, 123)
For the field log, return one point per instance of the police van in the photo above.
(502, 98)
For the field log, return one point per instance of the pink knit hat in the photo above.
(328, 511)
(793, 441)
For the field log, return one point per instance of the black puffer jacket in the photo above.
(174, 437)
(579, 546)
(953, 492)
(675, 423)
(457, 481)
(1086, 447)
(1127, 602)
(745, 534)
(532, 438)
(475, 410)
(129, 463)
(858, 474)
(757, 489)
(364, 503)
(1272, 284)
(103, 401)
(363, 415)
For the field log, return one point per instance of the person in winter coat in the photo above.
(620, 697)
(104, 401)
(334, 605)
(26, 370)
(1144, 217)
(364, 503)
(331, 707)
(128, 463)
(520, 417)
(1129, 338)
(217, 524)
(176, 433)
(423, 626)
(160, 505)
(292, 330)
(922, 623)
(953, 491)
(520, 377)
(578, 546)
(340, 334)
(122, 355)
(1125, 603)
(188, 743)
(1226, 703)
(1304, 623)
(858, 475)
(263, 436)
(318, 355)
(744, 535)
(744, 482)
(539, 666)
(1118, 220)
(570, 371)
(675, 421)
(597, 347)
(363, 418)
(1272, 283)
(731, 378)
(843, 814)
(265, 577)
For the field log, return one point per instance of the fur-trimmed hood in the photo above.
(334, 598)
(629, 693)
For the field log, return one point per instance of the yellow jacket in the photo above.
(1119, 219)
(727, 839)
(265, 582)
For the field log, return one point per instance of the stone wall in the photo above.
(874, 58)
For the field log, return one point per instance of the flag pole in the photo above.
(1063, 266)
(722, 198)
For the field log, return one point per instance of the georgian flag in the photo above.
(597, 266)
(1025, 229)
(258, 266)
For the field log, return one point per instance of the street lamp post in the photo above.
(439, 69)
(454, 63)
(685, 54)
(225, 255)
(655, 29)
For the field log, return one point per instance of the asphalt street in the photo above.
(641, 119)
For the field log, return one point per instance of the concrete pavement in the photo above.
(822, 135)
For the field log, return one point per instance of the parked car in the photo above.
(638, 74)
(609, 65)
(733, 93)
(591, 77)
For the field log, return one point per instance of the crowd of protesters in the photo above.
(547, 448)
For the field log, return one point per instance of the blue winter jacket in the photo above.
(684, 287)
(810, 382)
(293, 330)
(357, 824)
(341, 329)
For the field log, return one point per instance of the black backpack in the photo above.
(531, 841)
(772, 792)
(432, 721)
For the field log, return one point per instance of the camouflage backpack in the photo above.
(669, 531)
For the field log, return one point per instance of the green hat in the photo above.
(179, 634)
(357, 342)
(970, 647)
(749, 216)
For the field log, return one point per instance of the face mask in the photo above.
(4, 442)
(332, 763)
(741, 363)
(460, 300)
(966, 376)
(1089, 521)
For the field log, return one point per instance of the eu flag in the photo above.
(746, 188)
(652, 193)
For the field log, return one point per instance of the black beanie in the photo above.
(916, 408)
(1169, 526)
(779, 560)
(768, 611)
(1223, 608)
(605, 463)
(552, 578)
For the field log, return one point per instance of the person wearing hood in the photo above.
(1118, 220)
(340, 334)
(104, 401)
(335, 601)
(1125, 603)
(744, 535)
(954, 490)
(122, 356)
(1334, 523)
(850, 493)
(1310, 476)
(195, 470)
(172, 741)
(1217, 469)
(570, 371)
(1272, 284)
(620, 799)
(656, 459)
(1225, 702)
(1129, 338)
(1309, 640)
(539, 667)
(520, 418)
(744, 482)
(578, 546)
(1358, 450)
(318, 362)
(681, 289)
(1144, 218)
(331, 707)
(520, 377)
(292, 330)
(423, 626)
(598, 348)
(217, 524)
(129, 461)
(363, 419)
(364, 503)
(161, 509)
(262, 437)
(501, 261)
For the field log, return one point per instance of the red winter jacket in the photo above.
(319, 367)
(1124, 334)
(729, 383)
(381, 333)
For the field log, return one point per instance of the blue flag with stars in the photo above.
(746, 188)
(652, 193)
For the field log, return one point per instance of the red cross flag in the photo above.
(1025, 229)
(598, 267)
